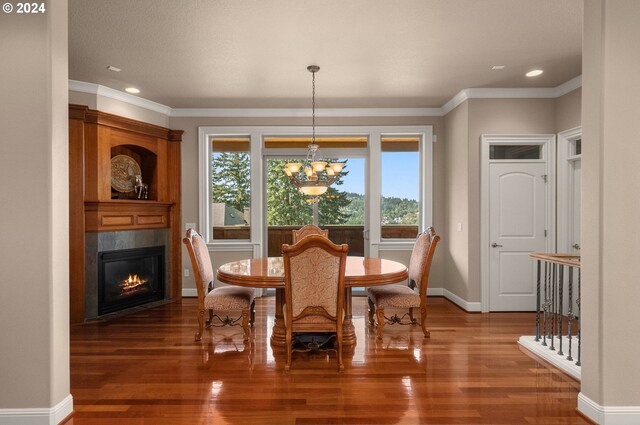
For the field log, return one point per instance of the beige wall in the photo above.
(569, 110)
(455, 244)
(463, 128)
(190, 167)
(34, 331)
(611, 203)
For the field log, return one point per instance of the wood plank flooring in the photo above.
(145, 368)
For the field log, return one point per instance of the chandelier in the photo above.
(314, 176)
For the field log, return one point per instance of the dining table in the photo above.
(268, 272)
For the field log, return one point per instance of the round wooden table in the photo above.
(269, 273)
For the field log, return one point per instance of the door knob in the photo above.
(495, 245)
(576, 246)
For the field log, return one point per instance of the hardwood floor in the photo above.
(145, 368)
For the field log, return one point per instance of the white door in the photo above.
(517, 221)
(576, 184)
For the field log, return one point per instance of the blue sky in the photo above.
(399, 168)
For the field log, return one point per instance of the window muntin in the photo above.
(230, 193)
(400, 190)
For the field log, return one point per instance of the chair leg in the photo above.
(380, 316)
(253, 313)
(287, 366)
(200, 325)
(210, 320)
(372, 312)
(423, 321)
(340, 363)
(245, 324)
(413, 319)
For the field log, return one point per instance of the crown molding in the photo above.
(304, 112)
(459, 98)
(512, 93)
(97, 89)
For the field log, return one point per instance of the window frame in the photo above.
(373, 181)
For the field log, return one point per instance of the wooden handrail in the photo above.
(571, 260)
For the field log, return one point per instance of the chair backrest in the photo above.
(421, 257)
(314, 281)
(307, 230)
(200, 261)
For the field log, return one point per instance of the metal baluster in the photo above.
(544, 305)
(570, 314)
(553, 304)
(579, 302)
(560, 307)
(538, 303)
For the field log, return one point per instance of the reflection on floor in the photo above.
(146, 369)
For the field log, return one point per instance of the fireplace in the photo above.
(129, 278)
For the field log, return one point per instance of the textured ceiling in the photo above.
(372, 53)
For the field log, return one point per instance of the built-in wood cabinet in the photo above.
(94, 139)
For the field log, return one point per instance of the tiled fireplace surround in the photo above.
(97, 242)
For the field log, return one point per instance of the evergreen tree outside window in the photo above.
(230, 188)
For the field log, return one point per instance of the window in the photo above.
(577, 147)
(515, 152)
(383, 202)
(400, 193)
(230, 195)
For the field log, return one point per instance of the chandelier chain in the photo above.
(313, 107)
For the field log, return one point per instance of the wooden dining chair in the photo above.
(223, 299)
(306, 230)
(402, 296)
(314, 271)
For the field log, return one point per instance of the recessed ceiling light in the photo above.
(132, 90)
(497, 67)
(534, 73)
(113, 68)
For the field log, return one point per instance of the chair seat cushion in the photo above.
(393, 296)
(229, 298)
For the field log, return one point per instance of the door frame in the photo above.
(565, 182)
(548, 143)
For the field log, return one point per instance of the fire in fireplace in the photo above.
(130, 277)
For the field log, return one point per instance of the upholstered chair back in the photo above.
(307, 230)
(421, 258)
(314, 279)
(200, 261)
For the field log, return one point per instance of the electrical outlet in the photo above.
(186, 273)
(460, 227)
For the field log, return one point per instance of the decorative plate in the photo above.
(123, 172)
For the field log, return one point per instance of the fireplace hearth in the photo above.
(129, 278)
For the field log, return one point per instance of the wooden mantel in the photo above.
(94, 138)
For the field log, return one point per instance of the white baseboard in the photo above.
(38, 416)
(462, 303)
(189, 292)
(435, 292)
(608, 415)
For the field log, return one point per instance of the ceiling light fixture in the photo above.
(132, 90)
(113, 68)
(534, 73)
(314, 176)
(497, 67)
